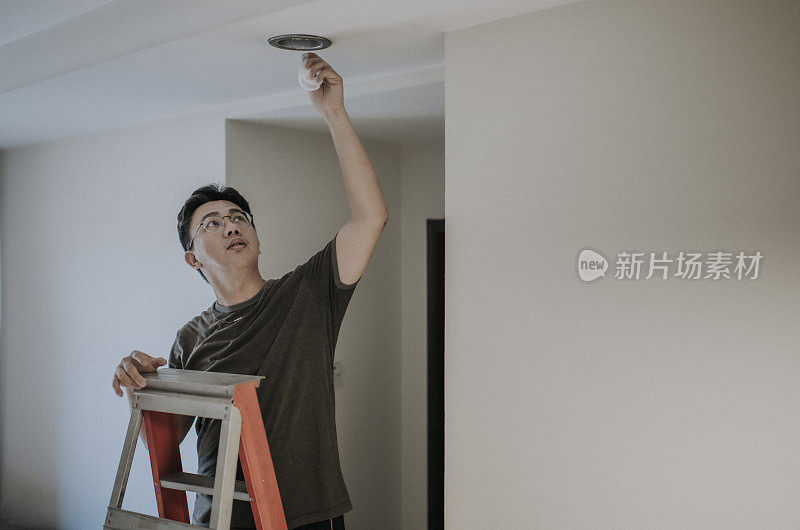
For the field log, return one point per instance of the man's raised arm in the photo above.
(368, 212)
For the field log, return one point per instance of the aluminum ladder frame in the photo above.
(230, 398)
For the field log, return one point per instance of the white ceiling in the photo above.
(83, 66)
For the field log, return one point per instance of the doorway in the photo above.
(435, 293)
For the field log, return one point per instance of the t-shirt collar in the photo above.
(241, 305)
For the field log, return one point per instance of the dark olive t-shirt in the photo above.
(286, 333)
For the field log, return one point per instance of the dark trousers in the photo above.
(337, 523)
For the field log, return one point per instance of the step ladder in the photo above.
(227, 397)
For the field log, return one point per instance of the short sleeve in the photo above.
(175, 355)
(322, 274)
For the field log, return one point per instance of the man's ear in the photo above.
(192, 260)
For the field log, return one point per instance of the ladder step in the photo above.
(119, 519)
(201, 484)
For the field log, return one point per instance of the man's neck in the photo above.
(232, 291)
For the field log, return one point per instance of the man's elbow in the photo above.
(372, 220)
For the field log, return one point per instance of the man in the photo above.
(283, 329)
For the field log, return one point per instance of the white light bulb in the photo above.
(304, 76)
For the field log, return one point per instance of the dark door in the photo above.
(435, 373)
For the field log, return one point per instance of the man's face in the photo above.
(214, 250)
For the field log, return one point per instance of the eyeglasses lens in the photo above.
(214, 224)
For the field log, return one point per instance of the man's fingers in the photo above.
(141, 359)
(125, 379)
(128, 371)
(129, 375)
(115, 386)
(136, 376)
(145, 362)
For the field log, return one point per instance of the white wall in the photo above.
(622, 125)
(92, 269)
(293, 182)
(422, 170)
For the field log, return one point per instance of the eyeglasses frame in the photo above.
(247, 216)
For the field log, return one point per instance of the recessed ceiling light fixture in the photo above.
(298, 41)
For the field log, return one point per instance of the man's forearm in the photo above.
(364, 193)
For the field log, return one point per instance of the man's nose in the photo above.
(231, 228)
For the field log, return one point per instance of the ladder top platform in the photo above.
(196, 381)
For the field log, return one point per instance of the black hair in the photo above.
(200, 196)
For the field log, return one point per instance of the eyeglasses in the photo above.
(216, 223)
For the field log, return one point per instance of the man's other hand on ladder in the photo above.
(128, 372)
(129, 375)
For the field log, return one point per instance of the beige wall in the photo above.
(422, 170)
(625, 125)
(127, 186)
(293, 182)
